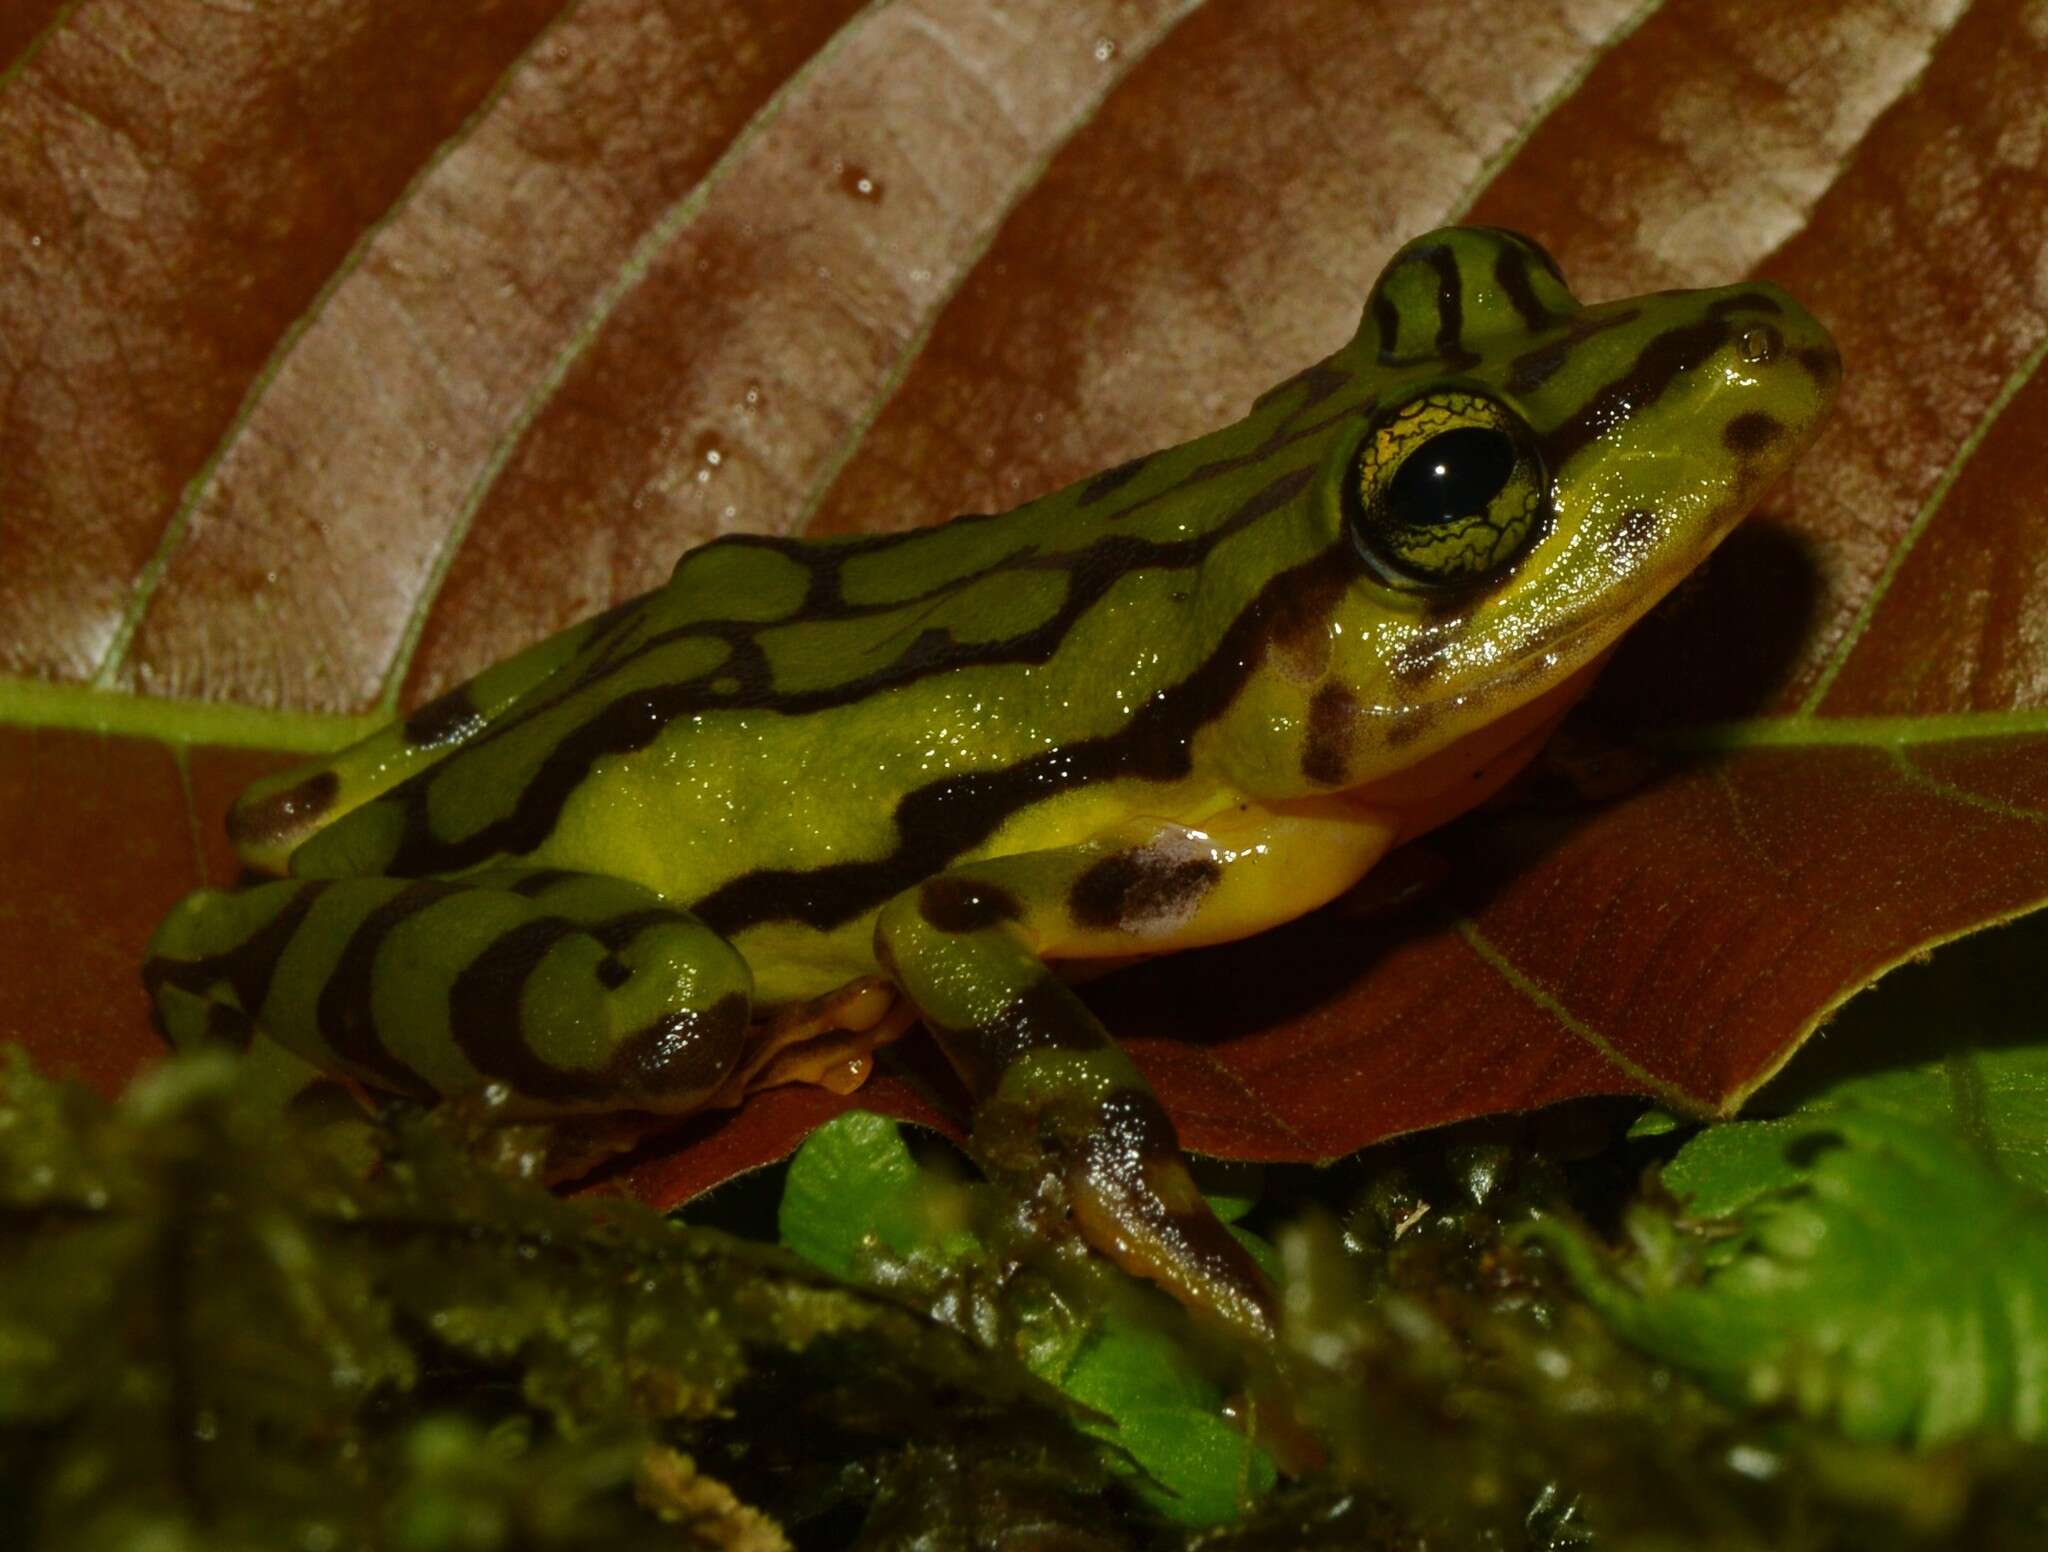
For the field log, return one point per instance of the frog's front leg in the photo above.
(563, 992)
(1057, 1102)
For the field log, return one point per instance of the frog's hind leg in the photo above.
(275, 814)
(557, 993)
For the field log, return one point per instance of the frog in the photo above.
(813, 790)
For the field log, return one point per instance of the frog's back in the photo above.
(791, 731)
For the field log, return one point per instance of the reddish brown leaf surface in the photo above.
(341, 353)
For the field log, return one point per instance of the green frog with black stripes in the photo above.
(744, 827)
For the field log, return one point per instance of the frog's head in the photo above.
(1530, 476)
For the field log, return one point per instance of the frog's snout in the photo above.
(1791, 352)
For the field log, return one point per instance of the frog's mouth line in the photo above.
(1472, 768)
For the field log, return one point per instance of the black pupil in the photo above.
(1454, 474)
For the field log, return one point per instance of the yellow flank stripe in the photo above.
(33, 703)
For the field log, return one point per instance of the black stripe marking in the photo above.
(1511, 272)
(1661, 362)
(344, 1014)
(617, 933)
(1450, 311)
(539, 881)
(1449, 346)
(447, 719)
(744, 680)
(287, 812)
(1532, 248)
(1110, 481)
(1386, 320)
(684, 1051)
(634, 721)
(1822, 363)
(1044, 1016)
(1533, 368)
(1315, 383)
(942, 819)
(248, 967)
(229, 1025)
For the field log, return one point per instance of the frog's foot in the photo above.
(1120, 1174)
(550, 993)
(829, 1041)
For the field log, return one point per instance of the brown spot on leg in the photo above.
(1147, 890)
(282, 814)
(965, 905)
(446, 719)
(681, 1055)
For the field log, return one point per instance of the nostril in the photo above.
(1760, 342)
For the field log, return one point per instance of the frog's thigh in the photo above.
(572, 992)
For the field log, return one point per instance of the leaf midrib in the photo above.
(1803, 730)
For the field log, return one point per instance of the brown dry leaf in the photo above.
(346, 347)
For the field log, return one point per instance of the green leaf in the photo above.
(857, 1203)
(1878, 1256)
(1170, 1419)
(853, 1187)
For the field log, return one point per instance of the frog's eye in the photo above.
(1451, 490)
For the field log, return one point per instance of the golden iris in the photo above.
(1451, 491)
